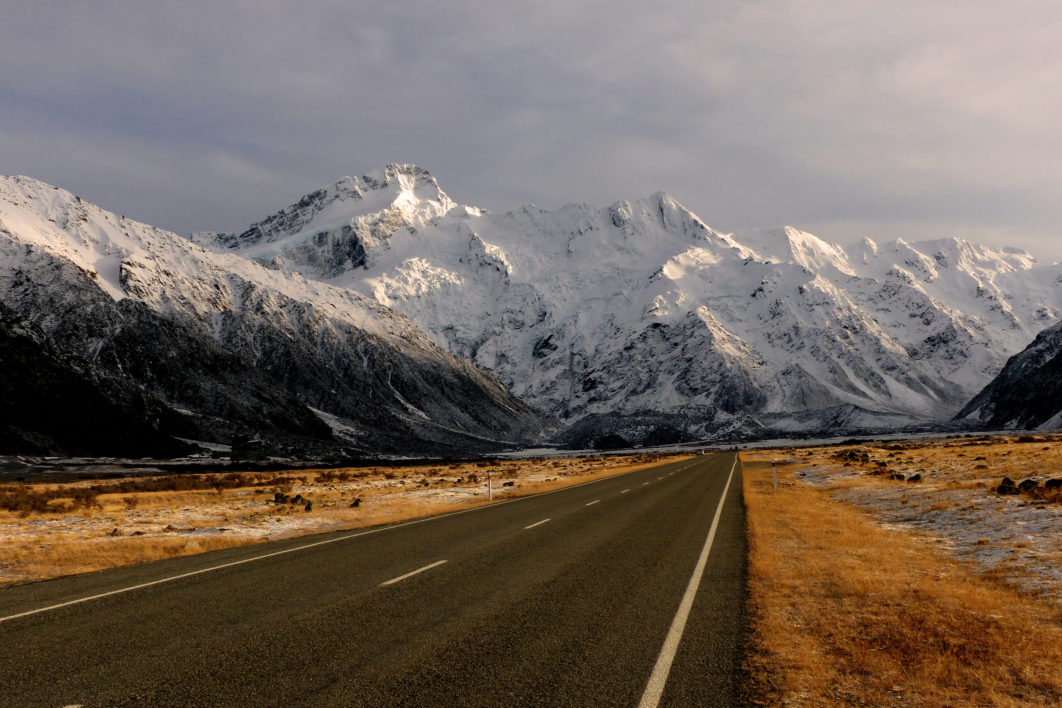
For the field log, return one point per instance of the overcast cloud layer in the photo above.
(884, 118)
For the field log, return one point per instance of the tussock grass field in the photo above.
(50, 530)
(869, 590)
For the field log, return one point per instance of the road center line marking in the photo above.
(537, 523)
(593, 502)
(645, 484)
(655, 688)
(345, 537)
(625, 491)
(392, 581)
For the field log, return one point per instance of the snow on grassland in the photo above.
(1015, 537)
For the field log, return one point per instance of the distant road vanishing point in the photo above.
(625, 591)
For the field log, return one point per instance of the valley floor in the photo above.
(49, 530)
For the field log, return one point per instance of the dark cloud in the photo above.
(891, 118)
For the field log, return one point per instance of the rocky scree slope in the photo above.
(1027, 394)
(640, 319)
(233, 347)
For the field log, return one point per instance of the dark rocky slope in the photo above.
(1028, 392)
(55, 404)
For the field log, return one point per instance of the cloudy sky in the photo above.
(909, 118)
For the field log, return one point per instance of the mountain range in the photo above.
(379, 315)
(640, 319)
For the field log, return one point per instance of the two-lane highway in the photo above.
(624, 591)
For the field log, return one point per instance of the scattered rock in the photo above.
(915, 478)
(1053, 484)
(509, 484)
(1007, 487)
(309, 506)
(116, 532)
(854, 456)
(1028, 485)
(897, 476)
(356, 503)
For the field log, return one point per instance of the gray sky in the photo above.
(883, 118)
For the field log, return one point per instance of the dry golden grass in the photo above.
(73, 554)
(846, 612)
(93, 525)
(1017, 538)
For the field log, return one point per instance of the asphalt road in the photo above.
(569, 598)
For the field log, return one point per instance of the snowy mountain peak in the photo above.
(410, 188)
(62, 224)
(373, 206)
(791, 245)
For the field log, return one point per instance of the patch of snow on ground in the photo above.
(1015, 535)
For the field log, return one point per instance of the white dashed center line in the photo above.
(411, 574)
(537, 523)
(625, 491)
(593, 502)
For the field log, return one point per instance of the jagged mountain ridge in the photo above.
(1027, 394)
(640, 307)
(233, 346)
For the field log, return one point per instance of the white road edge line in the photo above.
(655, 688)
(592, 503)
(392, 581)
(347, 537)
(537, 523)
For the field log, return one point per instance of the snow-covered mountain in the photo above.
(639, 317)
(1027, 394)
(231, 346)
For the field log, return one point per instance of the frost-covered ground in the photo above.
(1017, 538)
(126, 527)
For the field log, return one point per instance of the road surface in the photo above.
(626, 591)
